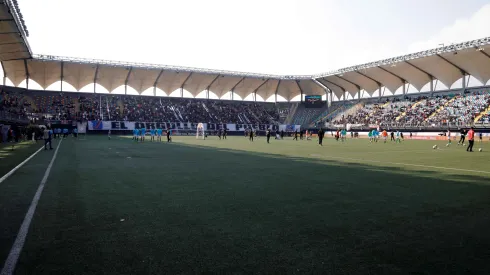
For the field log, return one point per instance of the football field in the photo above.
(236, 207)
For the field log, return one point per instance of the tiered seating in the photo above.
(462, 109)
(304, 116)
(13, 105)
(417, 115)
(377, 113)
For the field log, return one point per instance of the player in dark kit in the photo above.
(169, 138)
(251, 135)
(268, 134)
(301, 135)
(219, 133)
(224, 133)
(295, 135)
(463, 137)
(321, 133)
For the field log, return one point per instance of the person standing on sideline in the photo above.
(251, 135)
(321, 133)
(48, 134)
(471, 139)
(268, 134)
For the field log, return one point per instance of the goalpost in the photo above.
(82, 130)
(200, 131)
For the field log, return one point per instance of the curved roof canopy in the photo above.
(13, 33)
(446, 64)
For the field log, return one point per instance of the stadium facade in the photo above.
(447, 64)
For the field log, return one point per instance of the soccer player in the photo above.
(398, 140)
(392, 136)
(75, 133)
(295, 135)
(471, 140)
(448, 137)
(65, 133)
(135, 134)
(385, 136)
(48, 134)
(152, 133)
(143, 133)
(301, 135)
(268, 134)
(321, 134)
(109, 134)
(481, 137)
(251, 135)
(169, 133)
(159, 134)
(219, 133)
(370, 136)
(344, 134)
(225, 133)
(462, 138)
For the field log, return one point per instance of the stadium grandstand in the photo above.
(117, 202)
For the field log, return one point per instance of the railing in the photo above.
(10, 117)
(419, 126)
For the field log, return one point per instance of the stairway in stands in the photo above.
(411, 107)
(442, 108)
(477, 118)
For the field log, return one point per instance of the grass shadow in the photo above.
(197, 210)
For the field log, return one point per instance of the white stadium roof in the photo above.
(446, 64)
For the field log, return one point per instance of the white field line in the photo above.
(16, 250)
(403, 164)
(6, 176)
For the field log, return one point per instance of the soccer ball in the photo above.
(480, 150)
(434, 147)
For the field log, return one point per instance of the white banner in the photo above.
(128, 125)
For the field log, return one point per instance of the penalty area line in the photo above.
(402, 164)
(6, 176)
(16, 250)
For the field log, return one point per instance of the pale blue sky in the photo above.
(275, 36)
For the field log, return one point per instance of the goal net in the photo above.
(82, 130)
(200, 131)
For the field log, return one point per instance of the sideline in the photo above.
(13, 257)
(6, 176)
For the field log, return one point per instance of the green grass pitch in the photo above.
(236, 207)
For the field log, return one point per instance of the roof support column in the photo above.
(183, 84)
(277, 89)
(4, 74)
(126, 82)
(464, 81)
(431, 84)
(404, 88)
(27, 74)
(156, 82)
(95, 76)
(62, 76)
